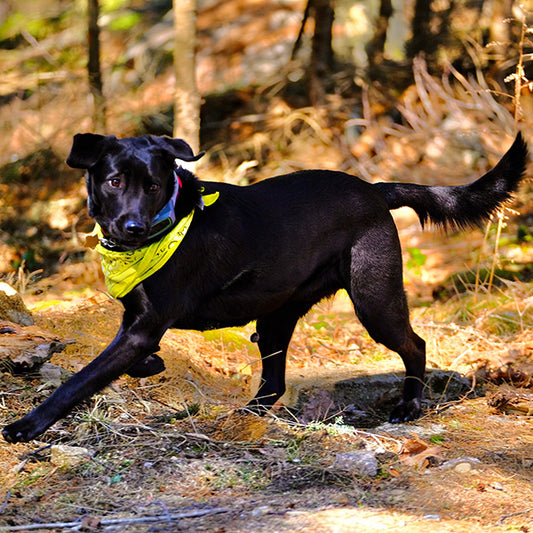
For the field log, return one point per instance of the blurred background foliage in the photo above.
(419, 90)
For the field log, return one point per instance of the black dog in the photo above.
(265, 252)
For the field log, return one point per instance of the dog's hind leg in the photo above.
(274, 332)
(376, 290)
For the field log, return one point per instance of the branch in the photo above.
(121, 521)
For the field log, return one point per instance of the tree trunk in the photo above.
(94, 70)
(422, 39)
(186, 98)
(322, 49)
(375, 48)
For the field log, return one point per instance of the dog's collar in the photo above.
(165, 220)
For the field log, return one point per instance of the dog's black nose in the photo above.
(134, 228)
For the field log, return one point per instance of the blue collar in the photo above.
(166, 218)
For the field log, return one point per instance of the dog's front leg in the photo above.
(132, 343)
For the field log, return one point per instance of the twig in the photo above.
(38, 46)
(495, 256)
(121, 521)
(519, 75)
(37, 453)
(6, 501)
(518, 513)
(298, 41)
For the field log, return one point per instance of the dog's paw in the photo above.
(406, 411)
(20, 431)
(149, 366)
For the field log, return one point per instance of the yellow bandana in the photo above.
(124, 270)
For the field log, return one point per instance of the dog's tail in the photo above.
(458, 207)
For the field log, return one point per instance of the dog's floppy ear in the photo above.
(178, 148)
(87, 148)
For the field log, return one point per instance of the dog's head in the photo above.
(129, 181)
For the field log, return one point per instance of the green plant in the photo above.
(416, 260)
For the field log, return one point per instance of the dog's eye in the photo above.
(154, 187)
(115, 182)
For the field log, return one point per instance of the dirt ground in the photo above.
(173, 453)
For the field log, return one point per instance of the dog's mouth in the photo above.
(120, 245)
(117, 241)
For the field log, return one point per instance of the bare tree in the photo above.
(423, 39)
(322, 57)
(430, 29)
(187, 98)
(94, 69)
(375, 48)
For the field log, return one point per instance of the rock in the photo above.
(62, 455)
(260, 511)
(463, 468)
(366, 400)
(461, 465)
(444, 386)
(363, 463)
(432, 517)
(406, 430)
(53, 375)
(12, 307)
(385, 390)
(379, 391)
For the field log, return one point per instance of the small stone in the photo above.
(363, 463)
(53, 374)
(260, 510)
(463, 468)
(462, 464)
(433, 517)
(63, 455)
